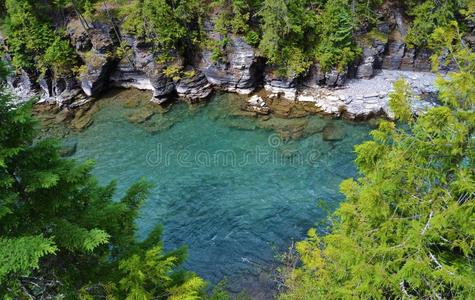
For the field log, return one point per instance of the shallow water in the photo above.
(235, 193)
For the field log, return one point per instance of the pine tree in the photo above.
(61, 231)
(169, 25)
(406, 229)
(336, 47)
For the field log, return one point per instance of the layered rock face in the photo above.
(279, 86)
(240, 68)
(356, 92)
(95, 47)
(140, 69)
(194, 87)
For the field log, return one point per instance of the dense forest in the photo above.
(289, 34)
(406, 229)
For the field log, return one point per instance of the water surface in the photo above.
(236, 189)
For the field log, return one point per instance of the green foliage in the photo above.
(168, 24)
(406, 227)
(364, 11)
(296, 33)
(173, 72)
(252, 38)
(21, 255)
(152, 275)
(428, 16)
(286, 30)
(33, 43)
(57, 223)
(59, 57)
(218, 49)
(400, 101)
(234, 16)
(336, 47)
(275, 26)
(27, 37)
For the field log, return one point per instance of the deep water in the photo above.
(233, 188)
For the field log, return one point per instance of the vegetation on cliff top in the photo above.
(291, 35)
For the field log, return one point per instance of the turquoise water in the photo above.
(233, 188)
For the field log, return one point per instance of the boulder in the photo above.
(68, 149)
(314, 77)
(23, 86)
(407, 61)
(193, 85)
(394, 55)
(335, 77)
(422, 62)
(371, 59)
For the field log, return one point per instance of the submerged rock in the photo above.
(332, 132)
(68, 150)
(140, 115)
(256, 104)
(23, 85)
(84, 117)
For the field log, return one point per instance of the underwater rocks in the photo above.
(68, 150)
(257, 104)
(332, 132)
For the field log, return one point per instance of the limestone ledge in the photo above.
(363, 98)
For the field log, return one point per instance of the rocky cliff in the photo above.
(359, 91)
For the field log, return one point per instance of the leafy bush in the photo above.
(170, 26)
(58, 57)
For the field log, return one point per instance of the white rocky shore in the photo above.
(361, 98)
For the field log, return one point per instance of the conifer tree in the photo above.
(406, 229)
(61, 231)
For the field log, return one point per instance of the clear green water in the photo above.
(235, 193)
